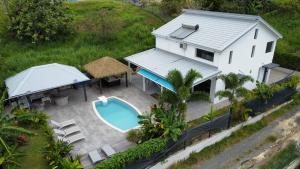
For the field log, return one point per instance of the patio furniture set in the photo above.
(69, 133)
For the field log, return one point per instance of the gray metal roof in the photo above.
(217, 30)
(42, 78)
(161, 63)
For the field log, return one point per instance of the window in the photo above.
(253, 50)
(269, 47)
(205, 55)
(256, 33)
(230, 57)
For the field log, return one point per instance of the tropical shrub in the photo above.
(56, 153)
(233, 90)
(211, 5)
(171, 7)
(144, 150)
(161, 123)
(39, 20)
(68, 164)
(182, 86)
(9, 134)
(135, 135)
(263, 91)
(291, 61)
(31, 118)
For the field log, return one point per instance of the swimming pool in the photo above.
(117, 113)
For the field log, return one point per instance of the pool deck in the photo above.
(96, 132)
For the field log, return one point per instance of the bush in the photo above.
(287, 60)
(31, 118)
(171, 7)
(144, 150)
(39, 20)
(135, 136)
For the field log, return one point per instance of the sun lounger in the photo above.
(108, 150)
(95, 156)
(67, 131)
(72, 139)
(63, 124)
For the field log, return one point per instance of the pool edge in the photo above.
(106, 122)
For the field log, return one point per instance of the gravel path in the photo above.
(232, 157)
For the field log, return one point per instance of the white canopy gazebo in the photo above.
(43, 78)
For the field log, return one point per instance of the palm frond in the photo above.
(168, 96)
(14, 130)
(242, 92)
(225, 94)
(190, 77)
(175, 78)
(4, 145)
(243, 79)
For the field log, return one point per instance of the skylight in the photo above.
(184, 31)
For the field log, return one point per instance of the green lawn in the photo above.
(133, 35)
(32, 156)
(288, 24)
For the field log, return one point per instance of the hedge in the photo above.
(290, 61)
(144, 150)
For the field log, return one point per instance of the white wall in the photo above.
(241, 60)
(173, 46)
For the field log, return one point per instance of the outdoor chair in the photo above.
(95, 156)
(67, 131)
(108, 150)
(72, 139)
(63, 124)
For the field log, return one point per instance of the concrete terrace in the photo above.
(96, 132)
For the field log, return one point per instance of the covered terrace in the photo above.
(105, 68)
(43, 83)
(155, 64)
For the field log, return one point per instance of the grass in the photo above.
(282, 158)
(133, 35)
(32, 152)
(288, 24)
(236, 137)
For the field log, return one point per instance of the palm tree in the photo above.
(8, 131)
(233, 86)
(234, 89)
(182, 94)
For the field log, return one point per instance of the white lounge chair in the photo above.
(95, 156)
(108, 150)
(67, 131)
(63, 124)
(72, 139)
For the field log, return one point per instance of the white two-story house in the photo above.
(212, 43)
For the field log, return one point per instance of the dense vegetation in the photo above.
(144, 150)
(39, 20)
(132, 35)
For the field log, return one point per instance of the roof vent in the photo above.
(184, 31)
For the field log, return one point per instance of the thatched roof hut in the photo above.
(105, 67)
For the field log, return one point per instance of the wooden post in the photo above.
(84, 92)
(126, 79)
(100, 85)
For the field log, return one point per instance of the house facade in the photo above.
(212, 43)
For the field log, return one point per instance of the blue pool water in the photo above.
(118, 113)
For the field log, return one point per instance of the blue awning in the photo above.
(161, 81)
